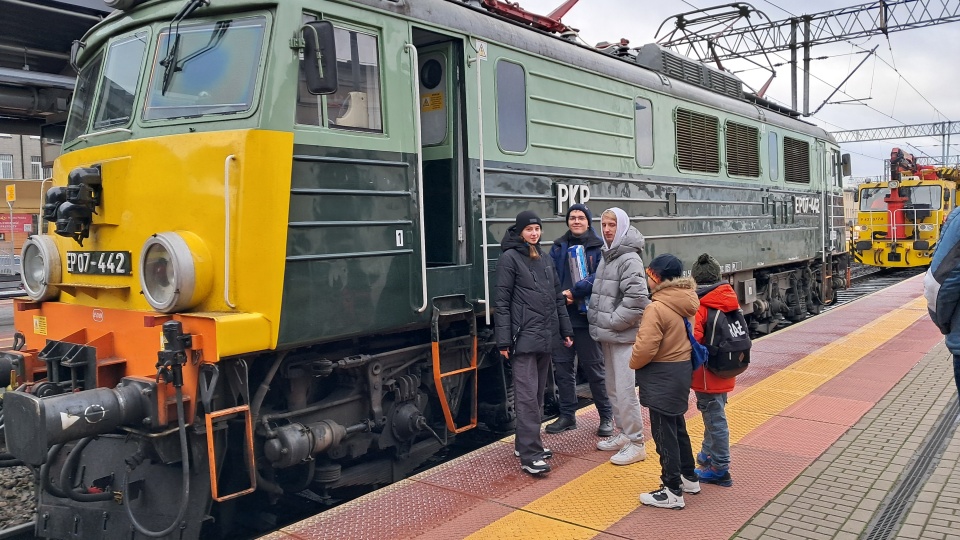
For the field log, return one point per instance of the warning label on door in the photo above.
(431, 102)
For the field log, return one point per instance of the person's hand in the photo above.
(569, 296)
(568, 341)
(505, 353)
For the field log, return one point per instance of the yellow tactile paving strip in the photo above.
(602, 496)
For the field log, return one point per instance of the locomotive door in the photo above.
(443, 147)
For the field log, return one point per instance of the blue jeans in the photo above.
(956, 371)
(716, 433)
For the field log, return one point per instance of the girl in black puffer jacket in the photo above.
(530, 315)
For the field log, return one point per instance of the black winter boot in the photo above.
(562, 424)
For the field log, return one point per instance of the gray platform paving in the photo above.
(846, 493)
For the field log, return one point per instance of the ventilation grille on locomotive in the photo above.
(698, 143)
(656, 58)
(743, 150)
(796, 160)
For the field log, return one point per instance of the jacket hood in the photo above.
(718, 296)
(679, 294)
(512, 240)
(632, 241)
(623, 224)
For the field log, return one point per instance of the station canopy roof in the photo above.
(36, 79)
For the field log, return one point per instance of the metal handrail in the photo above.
(415, 68)
(226, 229)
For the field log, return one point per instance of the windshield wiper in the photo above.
(169, 62)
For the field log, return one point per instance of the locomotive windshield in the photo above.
(871, 199)
(924, 197)
(214, 70)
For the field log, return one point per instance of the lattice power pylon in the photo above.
(726, 32)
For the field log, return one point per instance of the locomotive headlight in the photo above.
(175, 271)
(893, 184)
(925, 227)
(41, 268)
(859, 228)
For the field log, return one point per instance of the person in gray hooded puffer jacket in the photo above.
(616, 305)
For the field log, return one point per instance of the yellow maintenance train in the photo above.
(898, 221)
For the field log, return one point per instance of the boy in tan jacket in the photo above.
(661, 356)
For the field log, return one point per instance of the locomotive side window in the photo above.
(120, 78)
(743, 150)
(773, 155)
(643, 128)
(356, 104)
(209, 68)
(511, 107)
(796, 161)
(698, 142)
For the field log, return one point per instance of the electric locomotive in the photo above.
(268, 250)
(898, 221)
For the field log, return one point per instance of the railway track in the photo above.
(869, 282)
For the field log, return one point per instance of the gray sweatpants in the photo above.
(621, 387)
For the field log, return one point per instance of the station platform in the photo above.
(843, 427)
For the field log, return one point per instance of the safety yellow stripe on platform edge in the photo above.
(607, 493)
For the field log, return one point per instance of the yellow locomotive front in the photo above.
(160, 259)
(898, 222)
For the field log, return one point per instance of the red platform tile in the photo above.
(794, 436)
(784, 346)
(753, 487)
(888, 373)
(855, 388)
(466, 523)
(833, 410)
(400, 511)
(496, 475)
(773, 360)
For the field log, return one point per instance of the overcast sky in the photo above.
(926, 58)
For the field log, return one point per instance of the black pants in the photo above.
(529, 380)
(588, 355)
(673, 446)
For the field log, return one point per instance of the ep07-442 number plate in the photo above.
(99, 262)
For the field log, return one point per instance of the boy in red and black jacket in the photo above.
(714, 456)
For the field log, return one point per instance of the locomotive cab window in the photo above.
(356, 104)
(743, 150)
(207, 68)
(796, 161)
(83, 99)
(643, 130)
(511, 107)
(121, 74)
(698, 142)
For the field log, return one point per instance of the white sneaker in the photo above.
(631, 453)
(615, 442)
(689, 486)
(663, 498)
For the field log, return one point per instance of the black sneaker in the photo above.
(536, 467)
(606, 427)
(547, 453)
(563, 423)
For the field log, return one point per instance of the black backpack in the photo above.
(727, 338)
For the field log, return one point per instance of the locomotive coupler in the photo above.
(171, 359)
